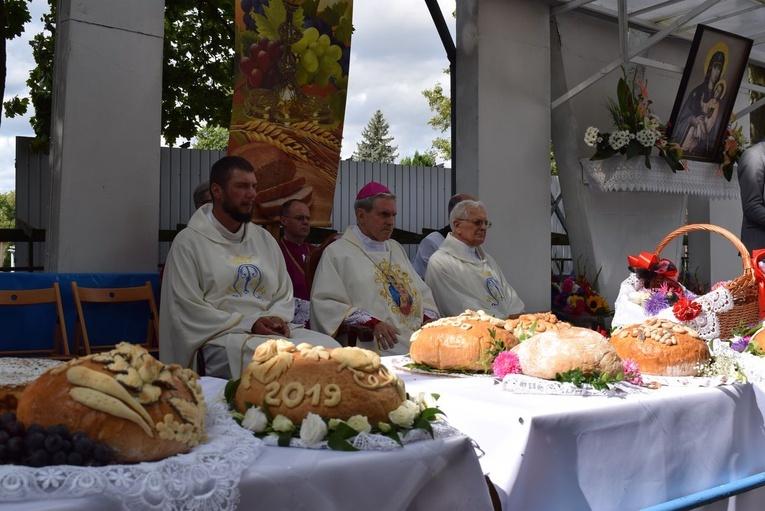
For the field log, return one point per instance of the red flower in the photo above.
(686, 310)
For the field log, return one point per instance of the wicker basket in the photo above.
(745, 309)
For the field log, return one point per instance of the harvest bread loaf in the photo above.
(335, 384)
(272, 207)
(272, 166)
(527, 325)
(661, 347)
(463, 342)
(16, 374)
(142, 409)
(546, 354)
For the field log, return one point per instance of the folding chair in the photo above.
(51, 295)
(114, 295)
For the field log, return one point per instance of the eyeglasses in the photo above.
(301, 218)
(479, 223)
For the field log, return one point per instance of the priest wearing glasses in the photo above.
(366, 279)
(295, 217)
(463, 276)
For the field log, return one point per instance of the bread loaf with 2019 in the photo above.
(333, 383)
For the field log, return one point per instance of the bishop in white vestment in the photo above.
(365, 278)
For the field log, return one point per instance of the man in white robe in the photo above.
(366, 279)
(432, 241)
(225, 288)
(462, 276)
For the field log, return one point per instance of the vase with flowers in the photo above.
(637, 131)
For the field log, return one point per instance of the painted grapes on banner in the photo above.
(289, 99)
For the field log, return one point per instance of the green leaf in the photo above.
(393, 434)
(338, 439)
(284, 439)
(265, 27)
(344, 30)
(334, 13)
(311, 8)
(728, 171)
(633, 148)
(16, 106)
(229, 392)
(429, 414)
(423, 424)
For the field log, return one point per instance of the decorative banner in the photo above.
(289, 99)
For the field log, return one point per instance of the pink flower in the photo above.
(568, 286)
(506, 363)
(631, 371)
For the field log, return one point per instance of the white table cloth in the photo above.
(547, 452)
(431, 474)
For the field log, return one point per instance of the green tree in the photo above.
(198, 67)
(375, 144)
(197, 73)
(441, 106)
(211, 138)
(426, 159)
(7, 220)
(14, 14)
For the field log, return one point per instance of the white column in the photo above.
(105, 136)
(503, 134)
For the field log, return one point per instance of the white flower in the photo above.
(405, 414)
(646, 137)
(651, 122)
(255, 420)
(424, 401)
(313, 430)
(384, 426)
(360, 424)
(639, 297)
(334, 423)
(282, 424)
(619, 139)
(591, 136)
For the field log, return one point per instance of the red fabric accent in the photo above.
(757, 255)
(371, 323)
(649, 261)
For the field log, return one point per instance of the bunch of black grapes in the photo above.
(38, 446)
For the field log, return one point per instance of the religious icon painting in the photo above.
(396, 289)
(707, 93)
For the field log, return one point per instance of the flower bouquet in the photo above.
(637, 130)
(734, 145)
(575, 295)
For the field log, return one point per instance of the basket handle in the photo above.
(746, 259)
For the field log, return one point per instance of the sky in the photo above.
(396, 53)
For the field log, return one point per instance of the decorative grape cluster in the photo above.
(261, 65)
(318, 58)
(324, 28)
(38, 446)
